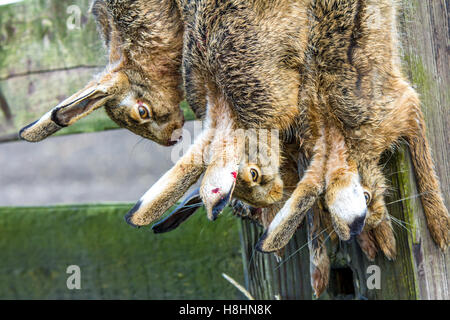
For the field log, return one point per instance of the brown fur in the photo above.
(385, 239)
(318, 220)
(367, 244)
(291, 64)
(352, 77)
(144, 42)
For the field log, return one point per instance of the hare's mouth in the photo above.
(173, 142)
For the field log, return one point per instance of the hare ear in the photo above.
(79, 105)
(180, 214)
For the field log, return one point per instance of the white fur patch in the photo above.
(283, 214)
(217, 183)
(128, 101)
(44, 118)
(350, 202)
(157, 189)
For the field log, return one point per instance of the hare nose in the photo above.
(357, 225)
(220, 205)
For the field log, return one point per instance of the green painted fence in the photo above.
(42, 61)
(116, 261)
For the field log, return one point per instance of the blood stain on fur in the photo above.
(216, 190)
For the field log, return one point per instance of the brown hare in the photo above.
(140, 86)
(275, 64)
(353, 79)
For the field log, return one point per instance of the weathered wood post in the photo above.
(421, 270)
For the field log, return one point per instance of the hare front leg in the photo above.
(367, 243)
(381, 236)
(171, 186)
(285, 223)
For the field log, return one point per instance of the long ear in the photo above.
(172, 185)
(180, 214)
(285, 223)
(79, 105)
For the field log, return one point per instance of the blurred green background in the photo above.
(116, 261)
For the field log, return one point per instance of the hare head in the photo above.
(257, 187)
(256, 180)
(140, 87)
(150, 110)
(347, 202)
(374, 184)
(263, 182)
(354, 188)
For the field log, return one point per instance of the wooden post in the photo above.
(421, 269)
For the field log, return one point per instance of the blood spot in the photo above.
(216, 190)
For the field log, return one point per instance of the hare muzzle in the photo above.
(347, 207)
(217, 189)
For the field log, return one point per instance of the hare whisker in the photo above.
(408, 198)
(399, 223)
(299, 249)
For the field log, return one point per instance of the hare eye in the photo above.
(367, 196)
(143, 112)
(254, 174)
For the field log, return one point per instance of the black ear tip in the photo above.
(259, 245)
(25, 128)
(156, 228)
(160, 227)
(20, 134)
(218, 208)
(130, 214)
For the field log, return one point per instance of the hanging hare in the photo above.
(140, 86)
(299, 66)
